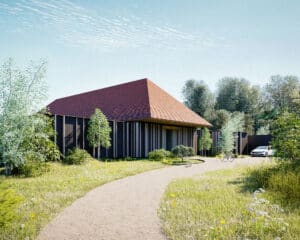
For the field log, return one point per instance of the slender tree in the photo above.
(205, 140)
(235, 124)
(98, 131)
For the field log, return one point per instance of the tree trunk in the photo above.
(98, 153)
(7, 170)
(93, 151)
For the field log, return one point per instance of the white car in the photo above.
(262, 151)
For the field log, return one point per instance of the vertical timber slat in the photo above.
(63, 135)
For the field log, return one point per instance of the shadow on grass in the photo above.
(185, 161)
(281, 182)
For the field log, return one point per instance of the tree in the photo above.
(236, 95)
(183, 151)
(98, 133)
(218, 118)
(235, 124)
(281, 93)
(285, 131)
(21, 96)
(198, 97)
(205, 140)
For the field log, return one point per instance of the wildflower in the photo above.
(22, 225)
(222, 221)
(261, 213)
(172, 195)
(250, 209)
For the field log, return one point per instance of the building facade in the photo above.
(142, 116)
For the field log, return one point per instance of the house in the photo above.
(142, 116)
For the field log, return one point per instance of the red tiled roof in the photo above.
(138, 100)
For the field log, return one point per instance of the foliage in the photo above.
(264, 130)
(32, 168)
(159, 154)
(198, 97)
(182, 151)
(218, 118)
(98, 133)
(76, 156)
(280, 92)
(212, 206)
(47, 195)
(40, 139)
(237, 95)
(235, 124)
(205, 140)
(286, 136)
(22, 131)
(281, 180)
(9, 202)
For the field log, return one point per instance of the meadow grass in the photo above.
(43, 197)
(217, 205)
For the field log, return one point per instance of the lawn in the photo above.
(218, 205)
(39, 199)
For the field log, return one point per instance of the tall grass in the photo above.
(30, 203)
(218, 206)
(282, 182)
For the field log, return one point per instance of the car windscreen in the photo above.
(262, 147)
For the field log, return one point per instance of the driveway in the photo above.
(126, 208)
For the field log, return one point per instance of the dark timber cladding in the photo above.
(128, 139)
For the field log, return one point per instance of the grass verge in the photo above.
(218, 206)
(39, 199)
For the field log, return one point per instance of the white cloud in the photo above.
(78, 26)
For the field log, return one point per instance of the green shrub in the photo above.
(286, 186)
(159, 154)
(35, 165)
(286, 131)
(33, 168)
(9, 201)
(191, 151)
(182, 151)
(76, 156)
(282, 180)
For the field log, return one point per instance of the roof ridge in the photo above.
(100, 89)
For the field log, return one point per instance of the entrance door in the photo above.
(169, 139)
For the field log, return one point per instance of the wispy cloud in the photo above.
(79, 26)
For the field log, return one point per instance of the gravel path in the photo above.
(125, 208)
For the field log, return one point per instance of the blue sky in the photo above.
(94, 44)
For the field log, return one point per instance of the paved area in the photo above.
(126, 208)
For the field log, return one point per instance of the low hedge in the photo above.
(159, 154)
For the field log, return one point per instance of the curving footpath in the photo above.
(126, 208)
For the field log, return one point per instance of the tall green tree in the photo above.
(237, 95)
(98, 133)
(21, 95)
(218, 118)
(198, 97)
(281, 93)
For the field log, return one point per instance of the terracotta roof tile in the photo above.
(137, 100)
